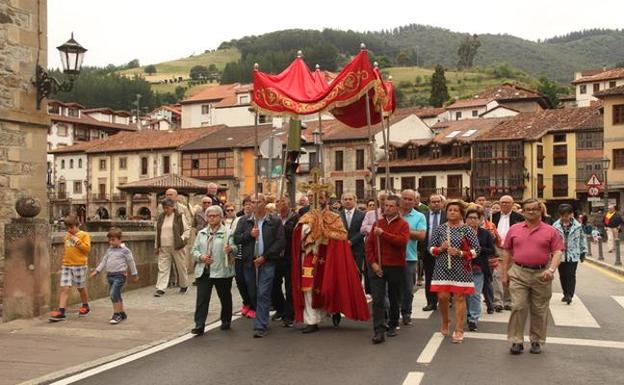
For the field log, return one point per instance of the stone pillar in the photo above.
(26, 265)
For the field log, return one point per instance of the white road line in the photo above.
(553, 340)
(426, 356)
(134, 357)
(574, 314)
(618, 299)
(413, 378)
(502, 317)
(418, 303)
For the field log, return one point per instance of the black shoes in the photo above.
(472, 326)
(392, 332)
(310, 329)
(260, 333)
(225, 326)
(508, 307)
(198, 331)
(287, 323)
(490, 310)
(536, 348)
(336, 318)
(159, 293)
(430, 308)
(498, 308)
(516, 349)
(378, 338)
(566, 299)
(183, 290)
(407, 321)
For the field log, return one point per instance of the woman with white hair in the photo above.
(214, 266)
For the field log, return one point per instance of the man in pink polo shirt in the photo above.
(532, 252)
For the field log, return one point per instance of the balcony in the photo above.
(120, 197)
(60, 196)
(141, 198)
(100, 197)
(448, 193)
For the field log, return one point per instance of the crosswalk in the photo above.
(576, 314)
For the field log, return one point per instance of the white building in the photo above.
(588, 82)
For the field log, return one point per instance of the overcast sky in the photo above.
(117, 31)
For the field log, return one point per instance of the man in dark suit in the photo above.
(352, 219)
(503, 220)
(435, 217)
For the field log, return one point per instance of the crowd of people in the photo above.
(327, 259)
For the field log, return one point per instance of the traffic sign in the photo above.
(593, 181)
(593, 191)
(594, 199)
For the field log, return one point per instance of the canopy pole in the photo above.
(386, 132)
(319, 151)
(371, 139)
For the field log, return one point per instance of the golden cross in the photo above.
(315, 186)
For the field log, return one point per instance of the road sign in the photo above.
(271, 148)
(593, 191)
(593, 181)
(594, 199)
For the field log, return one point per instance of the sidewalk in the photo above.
(609, 258)
(41, 351)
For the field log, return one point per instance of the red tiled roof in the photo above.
(78, 147)
(467, 103)
(614, 73)
(232, 137)
(467, 130)
(533, 125)
(508, 91)
(66, 104)
(427, 161)
(212, 93)
(151, 140)
(89, 121)
(613, 91)
(163, 182)
(428, 112)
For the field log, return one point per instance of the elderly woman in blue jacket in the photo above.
(575, 243)
(214, 267)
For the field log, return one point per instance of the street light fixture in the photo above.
(606, 162)
(72, 55)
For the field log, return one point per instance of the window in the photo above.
(359, 189)
(79, 163)
(611, 84)
(243, 99)
(618, 158)
(221, 163)
(560, 185)
(618, 114)
(540, 185)
(596, 87)
(205, 109)
(102, 164)
(559, 138)
(540, 156)
(144, 166)
(264, 119)
(312, 159)
(382, 184)
(359, 159)
(71, 163)
(62, 164)
(435, 151)
(123, 163)
(166, 164)
(583, 89)
(338, 163)
(339, 188)
(61, 130)
(77, 187)
(475, 113)
(560, 155)
(458, 115)
(408, 182)
(589, 140)
(72, 112)
(195, 164)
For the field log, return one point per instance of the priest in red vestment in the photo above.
(325, 278)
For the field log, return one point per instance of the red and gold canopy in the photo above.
(299, 91)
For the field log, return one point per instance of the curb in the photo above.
(605, 265)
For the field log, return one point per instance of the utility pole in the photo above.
(138, 111)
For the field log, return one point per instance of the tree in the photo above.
(150, 69)
(134, 63)
(402, 59)
(551, 91)
(199, 72)
(439, 92)
(179, 92)
(467, 51)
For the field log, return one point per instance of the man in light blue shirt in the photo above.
(418, 231)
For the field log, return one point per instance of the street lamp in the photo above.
(72, 55)
(606, 162)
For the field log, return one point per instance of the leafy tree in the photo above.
(199, 72)
(551, 91)
(402, 59)
(150, 69)
(212, 68)
(134, 63)
(439, 92)
(179, 92)
(468, 50)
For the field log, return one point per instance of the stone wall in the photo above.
(23, 128)
(140, 242)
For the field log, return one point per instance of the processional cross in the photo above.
(315, 186)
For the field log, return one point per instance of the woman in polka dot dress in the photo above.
(453, 272)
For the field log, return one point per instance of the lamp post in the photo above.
(72, 55)
(605, 168)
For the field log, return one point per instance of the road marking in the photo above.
(502, 317)
(135, 356)
(426, 356)
(619, 300)
(553, 340)
(574, 314)
(413, 378)
(609, 273)
(418, 303)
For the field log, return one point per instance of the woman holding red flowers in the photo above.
(454, 245)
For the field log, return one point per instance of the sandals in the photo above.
(445, 330)
(458, 337)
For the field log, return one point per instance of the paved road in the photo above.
(586, 347)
